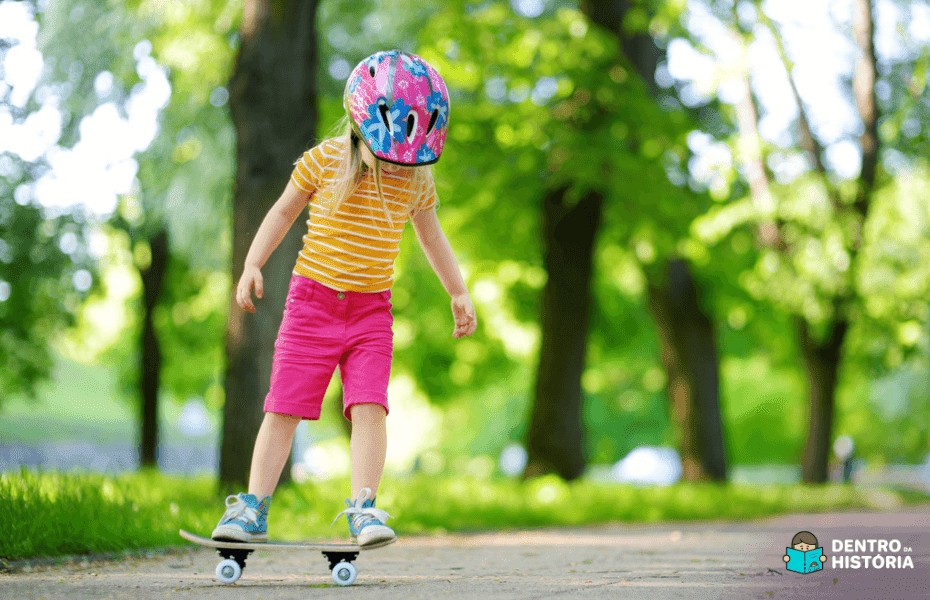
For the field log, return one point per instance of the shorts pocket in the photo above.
(386, 296)
(299, 295)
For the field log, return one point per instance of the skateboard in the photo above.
(340, 556)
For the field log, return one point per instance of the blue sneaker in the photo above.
(245, 520)
(366, 523)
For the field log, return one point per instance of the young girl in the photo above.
(362, 187)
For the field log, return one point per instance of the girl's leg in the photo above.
(368, 446)
(272, 447)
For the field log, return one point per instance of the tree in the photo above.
(184, 179)
(103, 45)
(822, 347)
(686, 332)
(821, 344)
(584, 144)
(687, 337)
(272, 95)
(810, 262)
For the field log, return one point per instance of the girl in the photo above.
(362, 187)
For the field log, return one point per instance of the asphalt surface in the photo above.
(694, 560)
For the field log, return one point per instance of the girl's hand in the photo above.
(464, 314)
(251, 277)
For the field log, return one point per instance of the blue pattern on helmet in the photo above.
(378, 135)
(374, 129)
(353, 84)
(413, 67)
(398, 115)
(435, 101)
(376, 59)
(425, 154)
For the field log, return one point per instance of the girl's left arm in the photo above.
(440, 256)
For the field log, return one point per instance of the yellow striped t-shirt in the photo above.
(354, 249)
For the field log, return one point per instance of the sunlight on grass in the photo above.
(48, 514)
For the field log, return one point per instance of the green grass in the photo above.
(52, 514)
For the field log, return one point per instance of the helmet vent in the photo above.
(383, 110)
(371, 70)
(411, 125)
(432, 120)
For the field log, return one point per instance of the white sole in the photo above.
(375, 537)
(234, 534)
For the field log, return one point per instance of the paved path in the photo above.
(732, 560)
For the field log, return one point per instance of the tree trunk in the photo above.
(153, 277)
(272, 98)
(689, 354)
(822, 358)
(866, 103)
(639, 48)
(822, 362)
(555, 440)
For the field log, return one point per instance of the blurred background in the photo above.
(696, 233)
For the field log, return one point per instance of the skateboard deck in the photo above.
(234, 554)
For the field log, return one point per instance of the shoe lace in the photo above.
(365, 515)
(236, 508)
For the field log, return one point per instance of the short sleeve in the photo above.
(308, 170)
(428, 198)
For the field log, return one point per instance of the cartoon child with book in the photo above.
(804, 556)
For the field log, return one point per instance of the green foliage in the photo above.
(535, 103)
(831, 262)
(42, 262)
(893, 276)
(185, 176)
(187, 317)
(887, 416)
(764, 410)
(80, 39)
(45, 267)
(904, 105)
(48, 514)
(190, 322)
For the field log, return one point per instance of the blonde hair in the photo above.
(351, 169)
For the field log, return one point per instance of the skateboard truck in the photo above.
(237, 555)
(335, 558)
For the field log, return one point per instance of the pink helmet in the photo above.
(399, 106)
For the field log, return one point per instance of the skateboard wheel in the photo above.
(228, 571)
(344, 573)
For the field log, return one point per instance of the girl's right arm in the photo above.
(272, 230)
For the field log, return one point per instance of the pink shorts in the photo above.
(323, 329)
